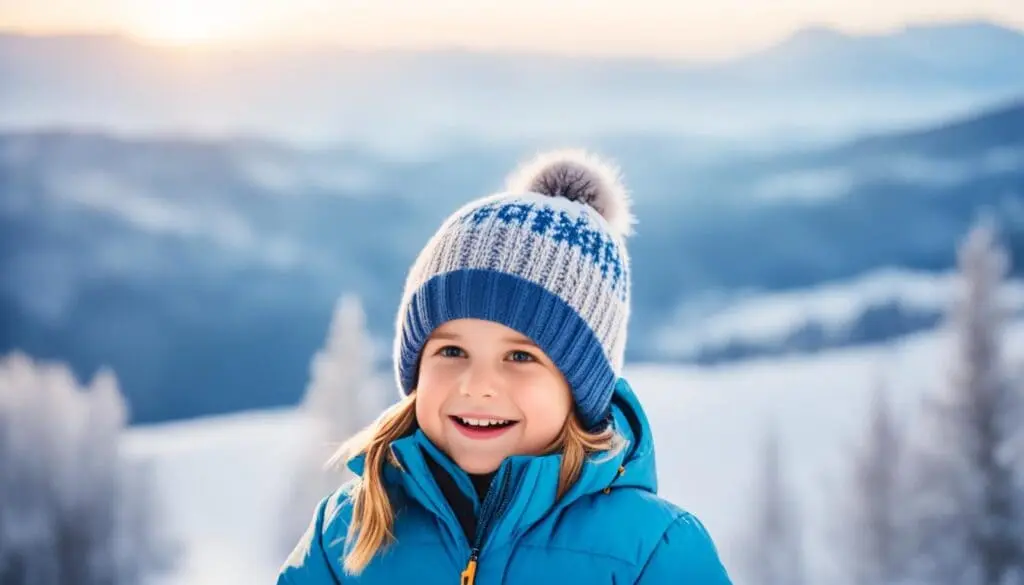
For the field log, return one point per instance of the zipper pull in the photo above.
(469, 573)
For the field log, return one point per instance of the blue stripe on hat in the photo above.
(523, 306)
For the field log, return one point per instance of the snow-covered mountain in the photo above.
(150, 255)
(833, 314)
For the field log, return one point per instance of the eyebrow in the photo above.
(519, 339)
(510, 339)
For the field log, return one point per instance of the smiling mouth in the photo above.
(482, 428)
(482, 422)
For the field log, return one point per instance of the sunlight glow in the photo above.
(620, 27)
(191, 22)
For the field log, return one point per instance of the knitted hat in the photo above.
(547, 258)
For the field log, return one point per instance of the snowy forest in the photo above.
(934, 496)
(73, 510)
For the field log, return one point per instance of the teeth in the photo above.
(480, 422)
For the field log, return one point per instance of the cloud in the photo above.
(817, 184)
(109, 194)
(809, 184)
(160, 215)
(293, 177)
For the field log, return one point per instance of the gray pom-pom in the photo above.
(580, 176)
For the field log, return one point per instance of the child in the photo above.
(517, 454)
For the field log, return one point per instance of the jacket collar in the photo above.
(532, 479)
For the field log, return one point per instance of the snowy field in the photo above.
(223, 479)
(222, 485)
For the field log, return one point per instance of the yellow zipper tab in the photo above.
(469, 573)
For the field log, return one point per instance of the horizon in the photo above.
(646, 29)
(327, 45)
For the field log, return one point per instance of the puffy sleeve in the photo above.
(308, 563)
(685, 555)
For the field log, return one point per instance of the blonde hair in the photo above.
(372, 515)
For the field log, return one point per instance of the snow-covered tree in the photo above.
(774, 547)
(62, 494)
(873, 524)
(969, 504)
(343, 396)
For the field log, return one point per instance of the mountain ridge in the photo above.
(806, 34)
(402, 97)
(178, 262)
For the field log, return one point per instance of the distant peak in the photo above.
(813, 37)
(76, 36)
(979, 25)
(818, 36)
(817, 32)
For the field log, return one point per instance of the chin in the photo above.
(478, 465)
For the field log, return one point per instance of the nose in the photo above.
(478, 380)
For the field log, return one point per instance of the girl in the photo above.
(517, 453)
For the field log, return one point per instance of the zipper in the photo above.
(468, 576)
(494, 506)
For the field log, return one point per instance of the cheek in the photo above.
(428, 417)
(430, 396)
(545, 406)
(437, 376)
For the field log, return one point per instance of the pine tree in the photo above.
(342, 397)
(775, 548)
(970, 510)
(61, 491)
(874, 525)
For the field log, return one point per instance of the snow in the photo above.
(222, 484)
(709, 421)
(224, 478)
(836, 305)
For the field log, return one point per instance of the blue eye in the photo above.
(521, 356)
(451, 351)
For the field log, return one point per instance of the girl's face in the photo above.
(486, 392)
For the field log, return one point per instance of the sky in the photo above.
(672, 28)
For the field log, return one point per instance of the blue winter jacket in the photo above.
(611, 527)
